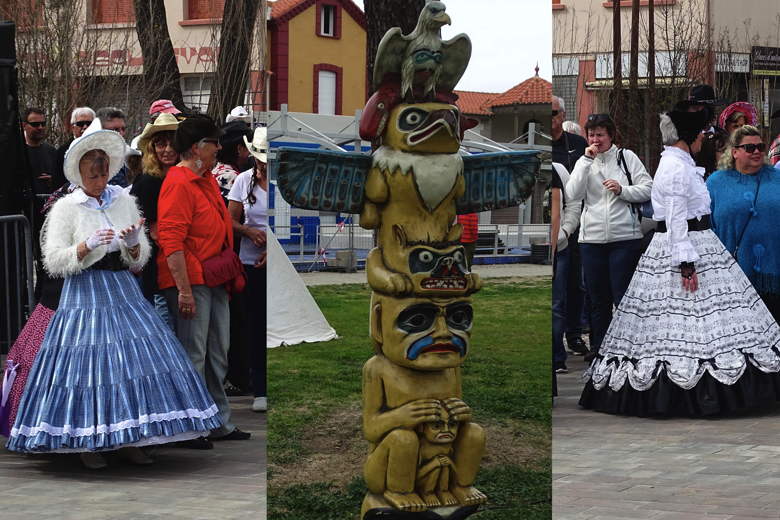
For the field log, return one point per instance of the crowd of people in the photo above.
(146, 304)
(674, 276)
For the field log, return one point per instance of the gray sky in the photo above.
(508, 37)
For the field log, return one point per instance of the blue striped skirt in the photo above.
(109, 374)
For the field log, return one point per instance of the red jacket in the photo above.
(470, 223)
(191, 217)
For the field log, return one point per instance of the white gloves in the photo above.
(101, 237)
(129, 236)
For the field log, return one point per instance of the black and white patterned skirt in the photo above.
(669, 351)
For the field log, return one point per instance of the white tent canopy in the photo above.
(293, 315)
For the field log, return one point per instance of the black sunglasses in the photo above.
(598, 118)
(751, 147)
(82, 124)
(36, 124)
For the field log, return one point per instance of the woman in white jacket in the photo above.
(691, 335)
(109, 374)
(610, 232)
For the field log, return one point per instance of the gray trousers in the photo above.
(206, 338)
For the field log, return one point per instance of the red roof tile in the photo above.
(532, 91)
(284, 9)
(281, 7)
(475, 103)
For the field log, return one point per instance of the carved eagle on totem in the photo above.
(422, 56)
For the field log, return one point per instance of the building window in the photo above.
(196, 91)
(328, 20)
(112, 11)
(327, 89)
(205, 9)
(25, 13)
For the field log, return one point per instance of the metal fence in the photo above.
(335, 237)
(16, 277)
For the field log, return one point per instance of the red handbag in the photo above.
(225, 269)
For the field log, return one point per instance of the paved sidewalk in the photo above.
(225, 483)
(608, 467)
(485, 271)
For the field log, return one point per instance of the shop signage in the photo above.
(765, 61)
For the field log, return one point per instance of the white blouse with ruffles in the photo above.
(679, 194)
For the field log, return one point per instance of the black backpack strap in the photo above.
(635, 208)
(622, 162)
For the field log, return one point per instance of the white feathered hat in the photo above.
(95, 138)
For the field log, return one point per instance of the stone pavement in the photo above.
(608, 467)
(225, 483)
(485, 271)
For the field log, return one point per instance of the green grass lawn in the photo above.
(315, 447)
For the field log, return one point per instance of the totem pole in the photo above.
(424, 448)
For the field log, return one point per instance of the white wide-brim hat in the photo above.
(259, 145)
(95, 138)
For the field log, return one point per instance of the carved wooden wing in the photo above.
(498, 180)
(322, 179)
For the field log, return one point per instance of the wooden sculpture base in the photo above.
(376, 508)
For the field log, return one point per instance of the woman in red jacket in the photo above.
(193, 227)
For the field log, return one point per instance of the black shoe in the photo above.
(560, 367)
(590, 356)
(201, 443)
(235, 435)
(577, 345)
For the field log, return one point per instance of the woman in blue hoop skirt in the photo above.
(109, 374)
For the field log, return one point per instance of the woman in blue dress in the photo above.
(745, 195)
(109, 374)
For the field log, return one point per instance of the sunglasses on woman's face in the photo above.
(82, 124)
(752, 147)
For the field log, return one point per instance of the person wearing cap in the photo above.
(158, 156)
(232, 158)
(248, 206)
(239, 114)
(193, 227)
(745, 195)
(109, 374)
(162, 106)
(702, 98)
(690, 336)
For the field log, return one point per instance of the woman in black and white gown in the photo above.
(691, 335)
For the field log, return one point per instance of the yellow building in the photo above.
(317, 56)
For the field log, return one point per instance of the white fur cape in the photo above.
(69, 223)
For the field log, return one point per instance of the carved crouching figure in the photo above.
(414, 379)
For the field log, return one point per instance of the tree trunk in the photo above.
(161, 72)
(617, 65)
(634, 111)
(652, 109)
(232, 75)
(381, 16)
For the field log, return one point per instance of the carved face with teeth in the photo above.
(424, 128)
(424, 334)
(441, 270)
